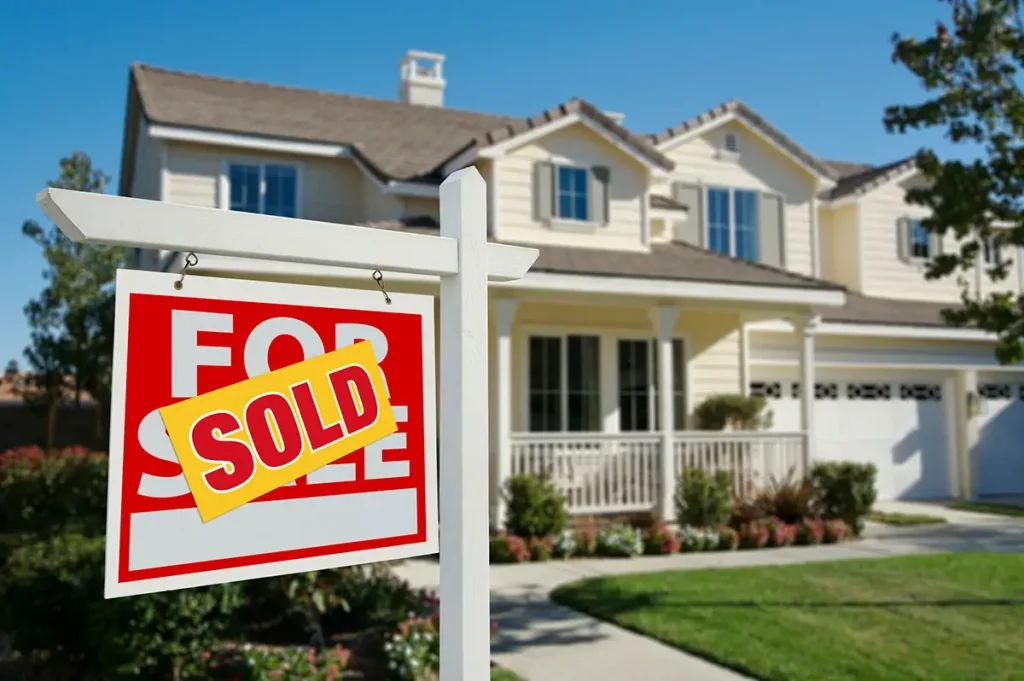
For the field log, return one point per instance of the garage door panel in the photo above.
(998, 459)
(897, 423)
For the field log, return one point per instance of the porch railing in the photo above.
(621, 473)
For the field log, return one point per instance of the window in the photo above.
(267, 189)
(564, 384)
(638, 385)
(732, 223)
(731, 143)
(993, 254)
(573, 203)
(920, 242)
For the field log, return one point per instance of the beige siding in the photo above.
(840, 246)
(330, 187)
(146, 183)
(580, 146)
(415, 206)
(760, 167)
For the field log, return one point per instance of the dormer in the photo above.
(420, 79)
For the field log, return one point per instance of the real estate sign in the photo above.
(345, 472)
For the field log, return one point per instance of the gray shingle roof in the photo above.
(857, 179)
(860, 309)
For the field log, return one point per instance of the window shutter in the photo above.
(543, 191)
(600, 183)
(691, 230)
(903, 239)
(771, 240)
(934, 245)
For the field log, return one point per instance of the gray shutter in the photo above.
(934, 245)
(771, 242)
(600, 182)
(903, 239)
(690, 230)
(543, 191)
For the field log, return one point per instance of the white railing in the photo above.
(597, 473)
(621, 473)
(755, 459)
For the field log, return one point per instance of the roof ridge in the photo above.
(140, 66)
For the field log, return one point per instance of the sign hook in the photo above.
(191, 260)
(379, 278)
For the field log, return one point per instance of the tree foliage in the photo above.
(72, 319)
(970, 69)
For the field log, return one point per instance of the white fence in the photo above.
(615, 473)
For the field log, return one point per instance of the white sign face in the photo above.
(376, 504)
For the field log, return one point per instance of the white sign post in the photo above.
(463, 260)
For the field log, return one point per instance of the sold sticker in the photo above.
(242, 441)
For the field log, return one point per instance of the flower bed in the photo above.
(624, 541)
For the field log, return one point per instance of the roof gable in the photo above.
(858, 179)
(738, 111)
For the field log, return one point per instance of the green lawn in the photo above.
(949, 617)
(986, 507)
(904, 519)
(499, 674)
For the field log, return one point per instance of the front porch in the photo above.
(577, 391)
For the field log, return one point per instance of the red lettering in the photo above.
(208, 439)
(271, 452)
(357, 401)
(319, 435)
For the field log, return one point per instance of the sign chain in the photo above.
(379, 278)
(191, 260)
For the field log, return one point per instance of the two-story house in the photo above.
(716, 256)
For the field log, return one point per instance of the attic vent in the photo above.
(731, 143)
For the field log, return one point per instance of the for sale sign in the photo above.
(374, 503)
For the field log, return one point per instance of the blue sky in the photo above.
(818, 70)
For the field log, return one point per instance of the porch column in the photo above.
(664, 318)
(806, 327)
(504, 315)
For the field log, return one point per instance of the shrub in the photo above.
(586, 543)
(728, 538)
(367, 596)
(703, 498)
(263, 663)
(753, 536)
(46, 493)
(541, 548)
(508, 548)
(660, 540)
(740, 412)
(835, 531)
(780, 533)
(535, 506)
(619, 541)
(53, 602)
(566, 544)
(698, 539)
(810, 532)
(788, 500)
(746, 511)
(845, 491)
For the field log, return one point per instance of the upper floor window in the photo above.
(573, 202)
(920, 241)
(263, 188)
(993, 254)
(732, 222)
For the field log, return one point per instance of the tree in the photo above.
(72, 320)
(970, 69)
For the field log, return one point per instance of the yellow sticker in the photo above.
(237, 443)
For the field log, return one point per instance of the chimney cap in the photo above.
(420, 54)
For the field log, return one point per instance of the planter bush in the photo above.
(740, 412)
(535, 507)
(845, 491)
(541, 548)
(779, 533)
(276, 663)
(659, 539)
(566, 544)
(835, 531)
(703, 499)
(753, 536)
(810, 532)
(728, 538)
(620, 541)
(508, 548)
(698, 539)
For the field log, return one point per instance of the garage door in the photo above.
(898, 423)
(999, 455)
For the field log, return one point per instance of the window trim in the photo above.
(556, 216)
(731, 191)
(224, 181)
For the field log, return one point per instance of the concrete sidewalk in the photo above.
(542, 641)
